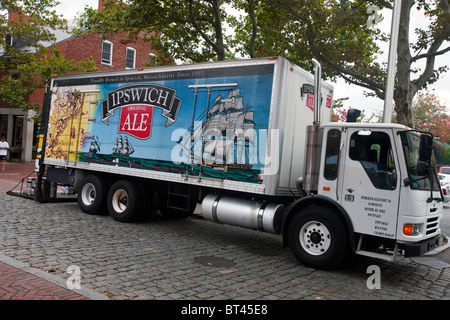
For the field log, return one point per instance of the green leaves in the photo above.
(36, 73)
(25, 63)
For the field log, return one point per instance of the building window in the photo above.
(131, 58)
(9, 40)
(107, 50)
(3, 125)
(17, 131)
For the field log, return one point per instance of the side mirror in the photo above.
(423, 169)
(426, 148)
(353, 114)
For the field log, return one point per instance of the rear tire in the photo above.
(92, 194)
(124, 201)
(317, 238)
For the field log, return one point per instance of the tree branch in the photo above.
(199, 30)
(430, 54)
(379, 93)
(363, 81)
(429, 68)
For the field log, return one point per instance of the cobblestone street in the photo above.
(191, 259)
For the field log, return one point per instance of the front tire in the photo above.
(124, 201)
(317, 238)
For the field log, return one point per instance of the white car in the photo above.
(445, 186)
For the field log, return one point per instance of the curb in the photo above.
(438, 250)
(88, 293)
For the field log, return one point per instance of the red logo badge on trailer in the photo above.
(136, 120)
(329, 102)
(308, 91)
(310, 101)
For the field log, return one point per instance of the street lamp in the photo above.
(389, 92)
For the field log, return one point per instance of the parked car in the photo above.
(444, 170)
(445, 186)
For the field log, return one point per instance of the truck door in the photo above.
(369, 185)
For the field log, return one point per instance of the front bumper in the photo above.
(422, 247)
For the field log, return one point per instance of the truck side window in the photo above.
(332, 154)
(374, 151)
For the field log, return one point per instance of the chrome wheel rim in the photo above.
(315, 238)
(120, 200)
(88, 194)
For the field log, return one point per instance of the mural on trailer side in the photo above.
(191, 122)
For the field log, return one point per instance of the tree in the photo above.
(428, 46)
(24, 27)
(332, 31)
(26, 30)
(367, 72)
(184, 30)
(196, 30)
(37, 73)
(431, 115)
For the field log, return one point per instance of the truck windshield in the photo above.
(411, 145)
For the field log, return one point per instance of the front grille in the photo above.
(432, 225)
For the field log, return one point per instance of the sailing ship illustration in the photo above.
(122, 147)
(227, 133)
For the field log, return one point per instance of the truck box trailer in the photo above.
(251, 140)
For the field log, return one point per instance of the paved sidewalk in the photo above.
(13, 175)
(19, 281)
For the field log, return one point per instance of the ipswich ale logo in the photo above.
(137, 103)
(308, 91)
(136, 120)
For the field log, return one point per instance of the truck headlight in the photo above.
(411, 229)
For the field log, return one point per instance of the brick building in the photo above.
(20, 127)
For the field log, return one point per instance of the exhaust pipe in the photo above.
(313, 138)
(317, 89)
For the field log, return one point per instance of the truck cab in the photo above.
(380, 181)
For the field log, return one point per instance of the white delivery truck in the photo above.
(250, 140)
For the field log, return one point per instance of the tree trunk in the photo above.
(405, 90)
(219, 32)
(404, 107)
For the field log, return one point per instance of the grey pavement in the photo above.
(195, 259)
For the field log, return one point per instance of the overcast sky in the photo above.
(70, 9)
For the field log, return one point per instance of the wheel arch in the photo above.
(318, 201)
(81, 173)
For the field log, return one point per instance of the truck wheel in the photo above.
(317, 238)
(92, 194)
(124, 201)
